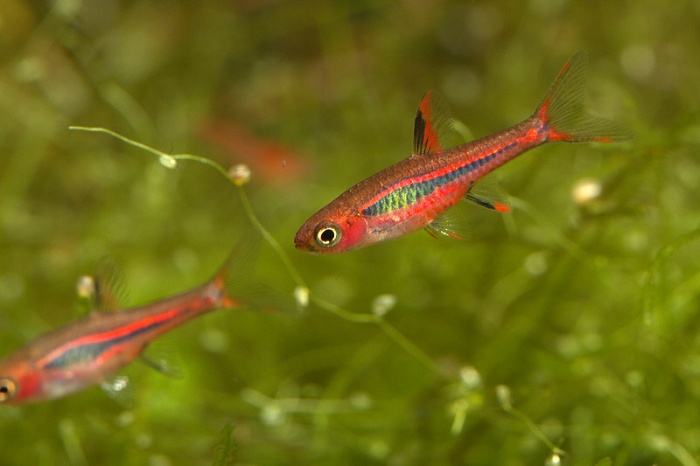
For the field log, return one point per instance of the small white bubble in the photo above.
(382, 304)
(240, 174)
(553, 460)
(503, 395)
(470, 376)
(85, 287)
(586, 190)
(120, 383)
(301, 295)
(167, 161)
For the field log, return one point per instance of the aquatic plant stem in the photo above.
(170, 161)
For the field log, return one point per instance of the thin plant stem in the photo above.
(171, 160)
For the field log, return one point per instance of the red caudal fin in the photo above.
(563, 109)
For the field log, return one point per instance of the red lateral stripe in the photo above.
(116, 333)
(504, 148)
(129, 328)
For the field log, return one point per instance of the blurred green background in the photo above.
(570, 320)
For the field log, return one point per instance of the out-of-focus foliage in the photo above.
(571, 323)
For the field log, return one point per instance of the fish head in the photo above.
(18, 384)
(333, 231)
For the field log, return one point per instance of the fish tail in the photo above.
(224, 300)
(238, 280)
(563, 113)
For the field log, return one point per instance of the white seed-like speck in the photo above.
(586, 190)
(240, 174)
(503, 395)
(167, 161)
(85, 287)
(382, 304)
(301, 296)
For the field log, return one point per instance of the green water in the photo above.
(562, 333)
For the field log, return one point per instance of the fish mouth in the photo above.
(300, 243)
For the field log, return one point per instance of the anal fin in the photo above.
(487, 193)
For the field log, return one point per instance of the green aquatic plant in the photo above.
(240, 175)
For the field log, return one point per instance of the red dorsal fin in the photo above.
(433, 125)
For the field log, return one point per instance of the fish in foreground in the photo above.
(90, 350)
(416, 192)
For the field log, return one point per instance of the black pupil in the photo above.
(327, 235)
(4, 389)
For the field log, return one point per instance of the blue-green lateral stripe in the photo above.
(91, 351)
(412, 193)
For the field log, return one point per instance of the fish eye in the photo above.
(8, 388)
(328, 235)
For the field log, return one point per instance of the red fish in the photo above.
(90, 350)
(272, 160)
(416, 192)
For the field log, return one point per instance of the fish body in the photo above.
(414, 193)
(90, 350)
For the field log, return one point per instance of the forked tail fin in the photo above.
(242, 279)
(563, 109)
